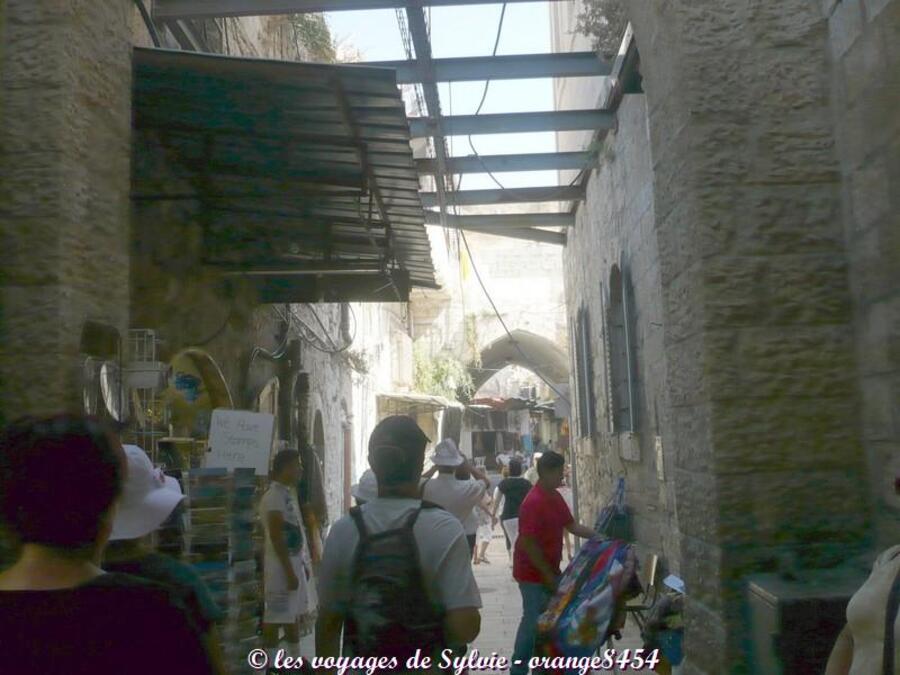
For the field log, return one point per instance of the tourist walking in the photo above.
(287, 573)
(458, 497)
(148, 499)
(543, 517)
(60, 478)
(485, 530)
(396, 574)
(511, 492)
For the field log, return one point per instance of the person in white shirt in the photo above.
(396, 455)
(287, 569)
(458, 497)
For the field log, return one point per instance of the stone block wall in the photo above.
(615, 227)
(865, 83)
(756, 301)
(778, 391)
(65, 74)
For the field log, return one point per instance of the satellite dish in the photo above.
(111, 388)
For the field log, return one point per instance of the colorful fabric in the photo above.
(582, 610)
(543, 516)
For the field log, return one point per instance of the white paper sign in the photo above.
(239, 439)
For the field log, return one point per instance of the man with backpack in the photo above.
(396, 573)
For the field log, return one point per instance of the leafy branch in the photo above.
(604, 22)
(441, 375)
(313, 36)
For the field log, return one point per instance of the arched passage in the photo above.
(525, 349)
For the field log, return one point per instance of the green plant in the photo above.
(441, 375)
(313, 36)
(358, 360)
(603, 21)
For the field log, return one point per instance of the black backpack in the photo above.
(390, 613)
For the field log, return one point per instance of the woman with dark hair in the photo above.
(60, 479)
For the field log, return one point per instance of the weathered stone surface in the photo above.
(765, 262)
(66, 79)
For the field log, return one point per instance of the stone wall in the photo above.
(764, 311)
(64, 155)
(616, 227)
(865, 83)
(757, 313)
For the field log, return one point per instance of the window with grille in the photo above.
(584, 375)
(620, 327)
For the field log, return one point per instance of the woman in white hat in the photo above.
(149, 497)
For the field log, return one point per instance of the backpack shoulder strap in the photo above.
(413, 517)
(430, 505)
(356, 514)
(890, 618)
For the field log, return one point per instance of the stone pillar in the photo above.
(65, 77)
(757, 311)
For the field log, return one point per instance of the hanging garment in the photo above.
(588, 600)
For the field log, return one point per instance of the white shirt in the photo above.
(866, 614)
(456, 496)
(282, 499)
(443, 554)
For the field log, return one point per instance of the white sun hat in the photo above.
(446, 454)
(367, 488)
(148, 497)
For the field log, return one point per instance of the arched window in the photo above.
(584, 375)
(621, 352)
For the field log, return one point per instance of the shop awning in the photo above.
(402, 403)
(302, 174)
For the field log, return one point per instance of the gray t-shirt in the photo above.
(443, 553)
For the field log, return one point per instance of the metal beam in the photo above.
(185, 36)
(209, 9)
(539, 161)
(505, 221)
(507, 67)
(418, 29)
(552, 193)
(505, 123)
(527, 233)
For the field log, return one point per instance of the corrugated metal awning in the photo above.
(303, 172)
(422, 401)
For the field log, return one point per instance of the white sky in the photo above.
(471, 31)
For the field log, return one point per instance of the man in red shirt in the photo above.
(543, 517)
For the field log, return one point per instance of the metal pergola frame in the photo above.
(428, 72)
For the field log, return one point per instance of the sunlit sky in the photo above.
(471, 31)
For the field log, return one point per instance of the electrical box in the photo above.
(794, 622)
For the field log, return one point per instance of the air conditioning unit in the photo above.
(794, 622)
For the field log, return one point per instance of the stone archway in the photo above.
(525, 349)
(757, 315)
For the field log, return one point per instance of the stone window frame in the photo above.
(621, 352)
(584, 375)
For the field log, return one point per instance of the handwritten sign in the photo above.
(239, 439)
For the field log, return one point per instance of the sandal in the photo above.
(485, 560)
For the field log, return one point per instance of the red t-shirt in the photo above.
(543, 516)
